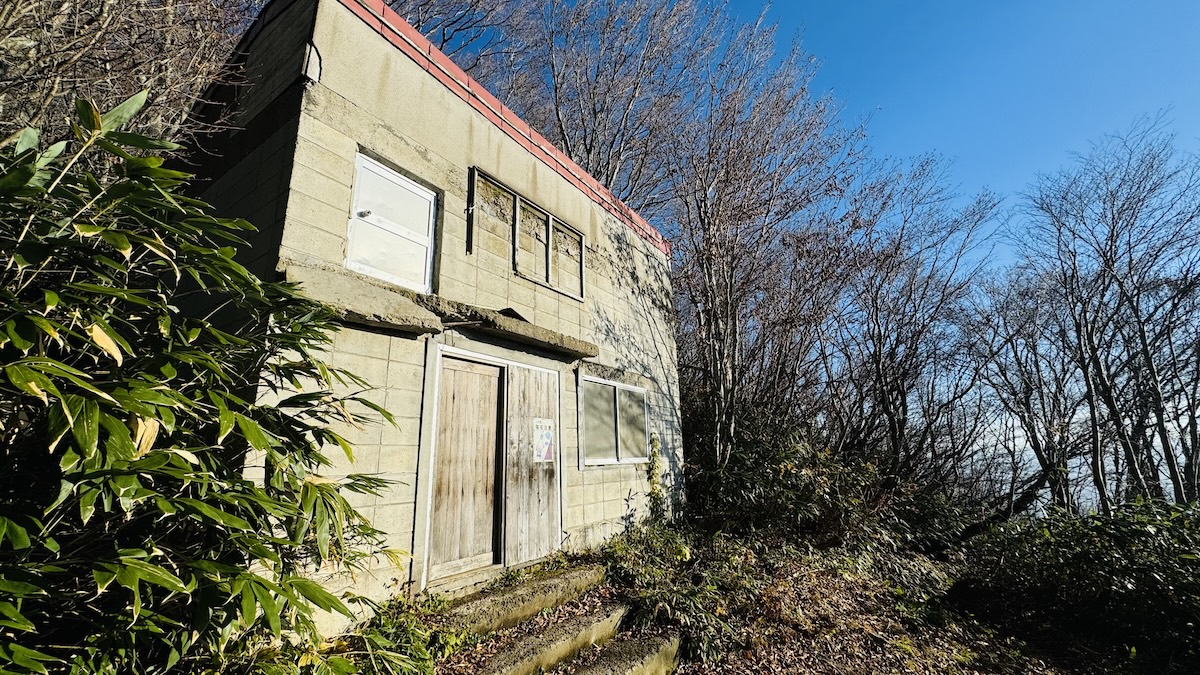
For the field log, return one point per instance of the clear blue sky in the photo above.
(1004, 88)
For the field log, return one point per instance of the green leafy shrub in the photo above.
(398, 640)
(403, 637)
(927, 519)
(696, 583)
(774, 481)
(1131, 579)
(132, 537)
(647, 556)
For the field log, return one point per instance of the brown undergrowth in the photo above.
(762, 605)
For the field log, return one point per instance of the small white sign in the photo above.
(543, 439)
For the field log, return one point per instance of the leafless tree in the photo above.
(606, 81)
(615, 78)
(54, 51)
(691, 119)
(750, 170)
(480, 35)
(1019, 338)
(900, 391)
(1118, 234)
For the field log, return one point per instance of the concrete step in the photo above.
(542, 652)
(650, 655)
(492, 611)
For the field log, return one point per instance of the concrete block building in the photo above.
(512, 314)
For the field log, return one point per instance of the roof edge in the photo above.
(392, 27)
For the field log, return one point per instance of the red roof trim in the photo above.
(389, 24)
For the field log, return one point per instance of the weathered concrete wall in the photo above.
(276, 54)
(245, 171)
(368, 97)
(256, 186)
(372, 98)
(395, 365)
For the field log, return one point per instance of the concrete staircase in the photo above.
(565, 623)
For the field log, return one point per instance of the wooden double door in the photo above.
(496, 467)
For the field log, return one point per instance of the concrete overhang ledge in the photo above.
(504, 324)
(359, 299)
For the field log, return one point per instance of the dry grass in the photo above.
(812, 612)
(821, 615)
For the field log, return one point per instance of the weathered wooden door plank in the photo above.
(463, 522)
(532, 519)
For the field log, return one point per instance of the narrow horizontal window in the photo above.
(545, 249)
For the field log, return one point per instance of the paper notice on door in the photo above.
(543, 439)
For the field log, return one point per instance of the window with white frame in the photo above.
(390, 235)
(545, 249)
(613, 422)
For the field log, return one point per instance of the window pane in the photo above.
(391, 200)
(599, 418)
(567, 273)
(531, 253)
(493, 209)
(632, 406)
(373, 249)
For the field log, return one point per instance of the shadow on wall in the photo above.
(644, 312)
